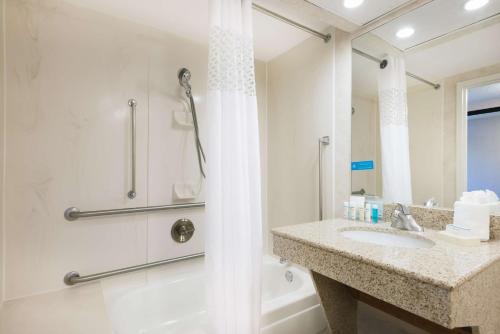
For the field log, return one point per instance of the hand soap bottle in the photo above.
(375, 213)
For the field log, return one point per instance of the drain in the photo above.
(289, 276)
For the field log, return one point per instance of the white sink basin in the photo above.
(388, 239)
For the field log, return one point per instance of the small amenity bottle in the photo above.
(375, 213)
(362, 212)
(353, 210)
(346, 210)
(368, 213)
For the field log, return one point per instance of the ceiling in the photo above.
(432, 20)
(464, 53)
(368, 11)
(469, 48)
(454, 56)
(271, 37)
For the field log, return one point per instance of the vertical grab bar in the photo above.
(133, 104)
(323, 141)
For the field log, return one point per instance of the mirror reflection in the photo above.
(426, 105)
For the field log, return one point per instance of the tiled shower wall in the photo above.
(70, 73)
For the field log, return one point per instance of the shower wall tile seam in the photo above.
(3, 174)
(148, 156)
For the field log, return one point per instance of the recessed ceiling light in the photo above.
(352, 3)
(475, 4)
(405, 32)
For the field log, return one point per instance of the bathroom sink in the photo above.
(388, 239)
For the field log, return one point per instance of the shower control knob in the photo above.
(182, 230)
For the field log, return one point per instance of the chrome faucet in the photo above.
(403, 220)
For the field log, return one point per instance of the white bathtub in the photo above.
(172, 301)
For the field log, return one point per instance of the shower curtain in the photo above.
(233, 229)
(395, 146)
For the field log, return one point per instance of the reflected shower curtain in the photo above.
(233, 229)
(395, 146)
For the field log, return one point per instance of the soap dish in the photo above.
(185, 191)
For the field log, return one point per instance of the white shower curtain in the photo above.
(233, 205)
(395, 146)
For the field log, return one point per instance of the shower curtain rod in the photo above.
(383, 63)
(325, 37)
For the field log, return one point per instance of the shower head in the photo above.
(184, 76)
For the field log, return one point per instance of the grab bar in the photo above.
(133, 104)
(73, 277)
(74, 213)
(323, 141)
(361, 192)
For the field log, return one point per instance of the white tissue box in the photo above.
(475, 217)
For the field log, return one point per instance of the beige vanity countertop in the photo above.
(445, 264)
(448, 284)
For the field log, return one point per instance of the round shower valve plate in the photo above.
(182, 230)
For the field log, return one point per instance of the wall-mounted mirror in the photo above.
(439, 66)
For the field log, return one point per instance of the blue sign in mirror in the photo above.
(362, 165)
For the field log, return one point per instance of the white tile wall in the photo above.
(301, 106)
(70, 72)
(309, 97)
(341, 95)
(365, 144)
(69, 76)
(172, 154)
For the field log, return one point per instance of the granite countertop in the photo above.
(446, 264)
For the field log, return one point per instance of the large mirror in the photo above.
(439, 66)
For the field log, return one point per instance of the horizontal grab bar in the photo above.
(74, 213)
(73, 277)
(362, 191)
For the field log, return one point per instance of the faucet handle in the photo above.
(404, 209)
(402, 219)
(399, 213)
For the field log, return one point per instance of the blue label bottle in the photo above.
(375, 213)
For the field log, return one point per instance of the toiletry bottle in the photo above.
(361, 212)
(368, 213)
(346, 210)
(375, 213)
(353, 211)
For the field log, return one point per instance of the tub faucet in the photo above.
(403, 220)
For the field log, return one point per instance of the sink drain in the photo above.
(289, 276)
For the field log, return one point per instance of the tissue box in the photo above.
(495, 211)
(475, 217)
